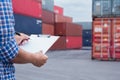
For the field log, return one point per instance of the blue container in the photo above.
(87, 33)
(87, 42)
(101, 8)
(27, 25)
(87, 38)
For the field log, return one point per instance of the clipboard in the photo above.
(39, 42)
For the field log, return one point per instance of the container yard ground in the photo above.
(70, 65)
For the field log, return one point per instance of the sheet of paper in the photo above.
(36, 43)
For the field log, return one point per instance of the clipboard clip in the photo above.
(40, 35)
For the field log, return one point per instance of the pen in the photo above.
(17, 33)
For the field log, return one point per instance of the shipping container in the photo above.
(47, 29)
(48, 5)
(58, 10)
(48, 17)
(67, 42)
(87, 33)
(87, 37)
(68, 29)
(61, 18)
(116, 7)
(27, 7)
(87, 42)
(101, 39)
(28, 25)
(101, 8)
(115, 38)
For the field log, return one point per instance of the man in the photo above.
(9, 51)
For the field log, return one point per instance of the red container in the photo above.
(58, 10)
(27, 7)
(68, 42)
(61, 18)
(68, 29)
(101, 38)
(73, 42)
(47, 29)
(48, 17)
(115, 38)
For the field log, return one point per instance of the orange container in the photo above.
(101, 38)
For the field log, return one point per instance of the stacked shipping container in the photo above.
(106, 30)
(28, 16)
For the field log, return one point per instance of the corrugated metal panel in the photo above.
(68, 29)
(48, 17)
(102, 8)
(27, 24)
(47, 29)
(48, 5)
(61, 18)
(27, 7)
(58, 10)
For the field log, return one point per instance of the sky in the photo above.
(79, 10)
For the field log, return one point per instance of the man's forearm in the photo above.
(23, 57)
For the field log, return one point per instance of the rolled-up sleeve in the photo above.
(8, 51)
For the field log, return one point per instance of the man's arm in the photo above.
(37, 59)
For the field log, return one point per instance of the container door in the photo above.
(116, 39)
(116, 7)
(101, 39)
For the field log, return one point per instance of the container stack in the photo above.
(34, 17)
(43, 17)
(69, 32)
(106, 27)
(28, 14)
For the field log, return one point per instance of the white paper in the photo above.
(41, 43)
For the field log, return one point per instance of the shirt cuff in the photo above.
(8, 51)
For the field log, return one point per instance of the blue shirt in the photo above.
(8, 45)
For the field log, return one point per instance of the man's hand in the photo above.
(21, 39)
(39, 59)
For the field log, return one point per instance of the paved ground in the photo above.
(70, 65)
